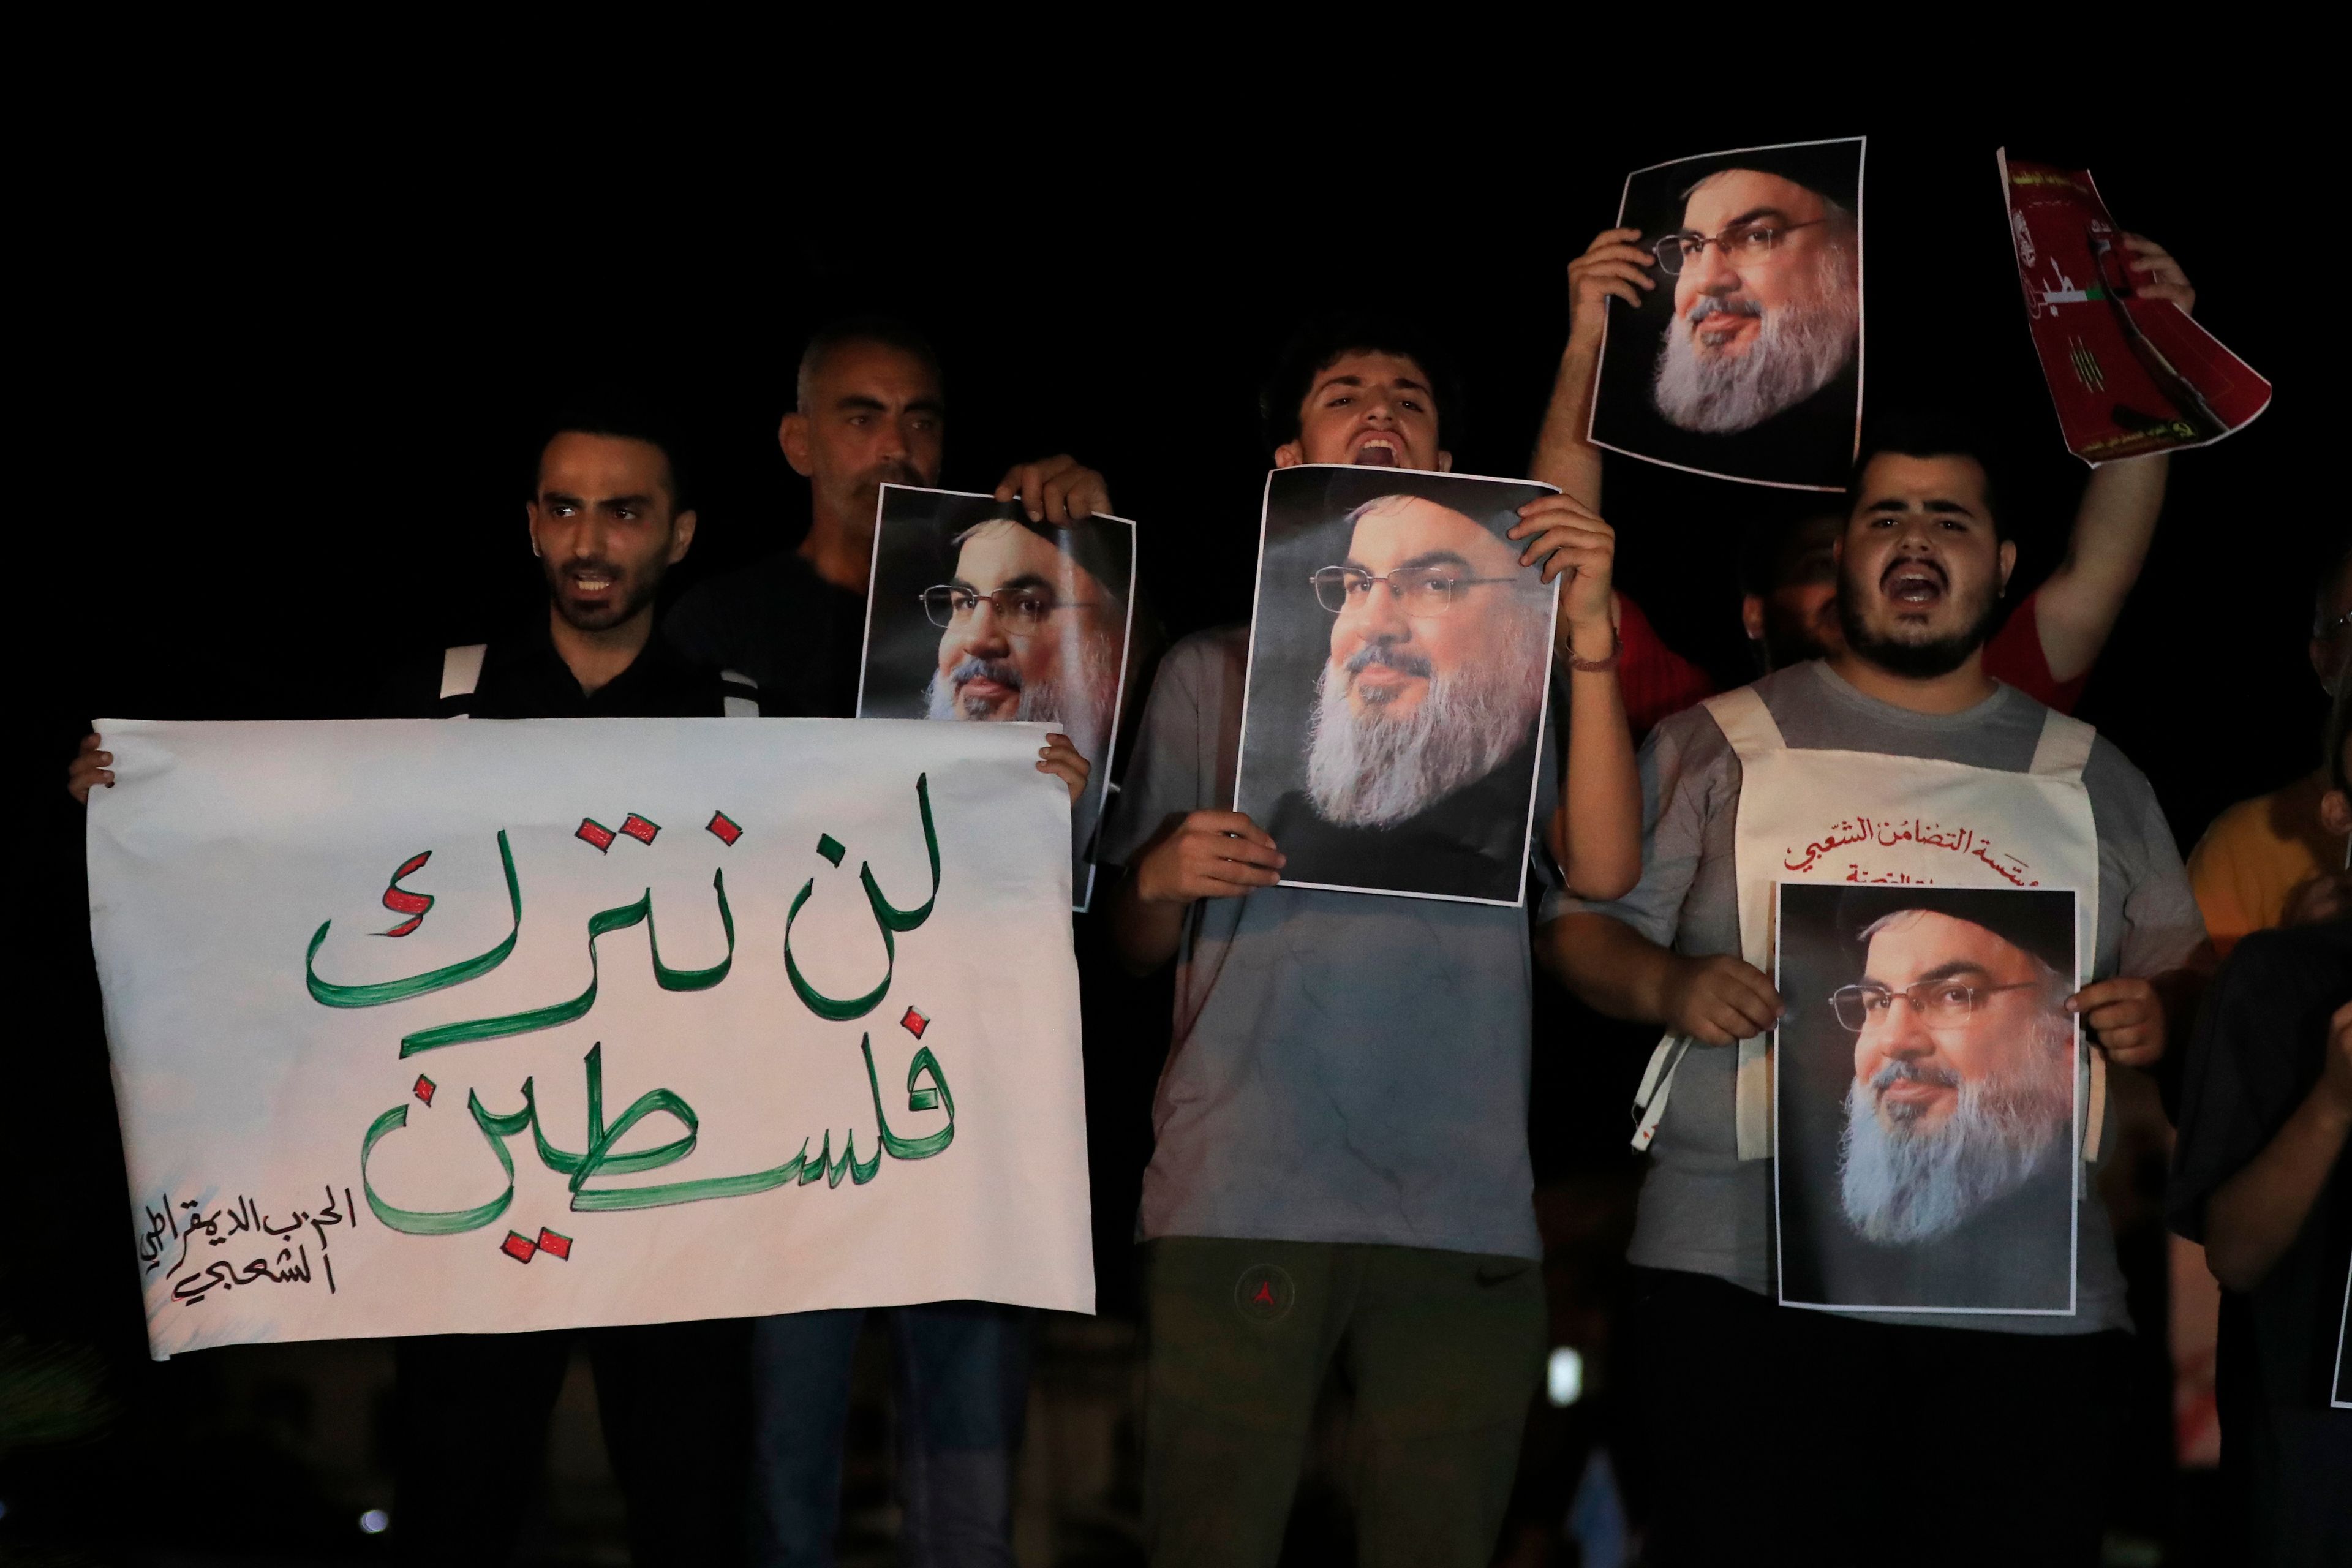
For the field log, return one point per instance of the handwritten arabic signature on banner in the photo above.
(222, 1226)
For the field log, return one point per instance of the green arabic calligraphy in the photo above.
(600, 1157)
(604, 922)
(889, 917)
(384, 990)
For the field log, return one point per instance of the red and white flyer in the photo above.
(2130, 376)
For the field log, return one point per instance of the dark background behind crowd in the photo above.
(294, 392)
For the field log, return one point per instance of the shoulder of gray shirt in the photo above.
(1690, 794)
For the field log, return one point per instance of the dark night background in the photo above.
(288, 378)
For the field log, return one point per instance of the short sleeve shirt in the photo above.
(1345, 1066)
(2260, 1047)
(1704, 1209)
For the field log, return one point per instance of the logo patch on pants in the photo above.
(1264, 1293)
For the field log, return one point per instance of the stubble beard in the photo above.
(1922, 659)
(1901, 1187)
(641, 589)
(1799, 349)
(1375, 771)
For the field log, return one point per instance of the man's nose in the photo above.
(1904, 1037)
(1713, 270)
(984, 635)
(588, 538)
(891, 440)
(1384, 619)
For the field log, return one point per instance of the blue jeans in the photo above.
(962, 1392)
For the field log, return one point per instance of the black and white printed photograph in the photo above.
(1925, 1094)
(1399, 656)
(1745, 361)
(978, 614)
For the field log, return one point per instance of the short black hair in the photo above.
(1315, 347)
(883, 331)
(621, 418)
(1932, 433)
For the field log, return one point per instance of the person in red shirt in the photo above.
(2045, 648)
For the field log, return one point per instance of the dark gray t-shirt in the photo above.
(1346, 1067)
(1704, 1210)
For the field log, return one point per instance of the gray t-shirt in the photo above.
(1346, 1067)
(1704, 1210)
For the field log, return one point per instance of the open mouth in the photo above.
(1915, 585)
(982, 688)
(1378, 452)
(591, 584)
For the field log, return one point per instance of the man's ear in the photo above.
(530, 523)
(1751, 615)
(1445, 462)
(681, 535)
(1289, 455)
(793, 435)
(2008, 561)
(2336, 813)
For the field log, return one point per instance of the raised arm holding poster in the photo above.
(1748, 364)
(421, 1027)
(1398, 660)
(2129, 376)
(978, 613)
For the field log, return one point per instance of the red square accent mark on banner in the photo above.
(914, 1022)
(424, 1086)
(554, 1242)
(640, 828)
(518, 1246)
(594, 832)
(728, 832)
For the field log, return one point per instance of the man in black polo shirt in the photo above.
(607, 520)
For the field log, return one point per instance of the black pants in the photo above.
(673, 1399)
(1763, 1434)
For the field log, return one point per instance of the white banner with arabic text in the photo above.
(431, 1027)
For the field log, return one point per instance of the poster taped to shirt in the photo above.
(978, 613)
(425, 1027)
(1926, 1098)
(2129, 376)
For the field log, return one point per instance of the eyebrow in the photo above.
(857, 402)
(1752, 213)
(1026, 580)
(612, 503)
(1949, 970)
(1937, 505)
(1426, 558)
(1327, 382)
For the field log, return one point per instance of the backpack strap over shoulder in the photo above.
(461, 672)
(742, 699)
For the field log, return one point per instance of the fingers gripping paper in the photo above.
(423, 1027)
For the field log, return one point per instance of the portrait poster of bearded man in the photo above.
(979, 615)
(1927, 1078)
(1393, 710)
(1745, 359)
